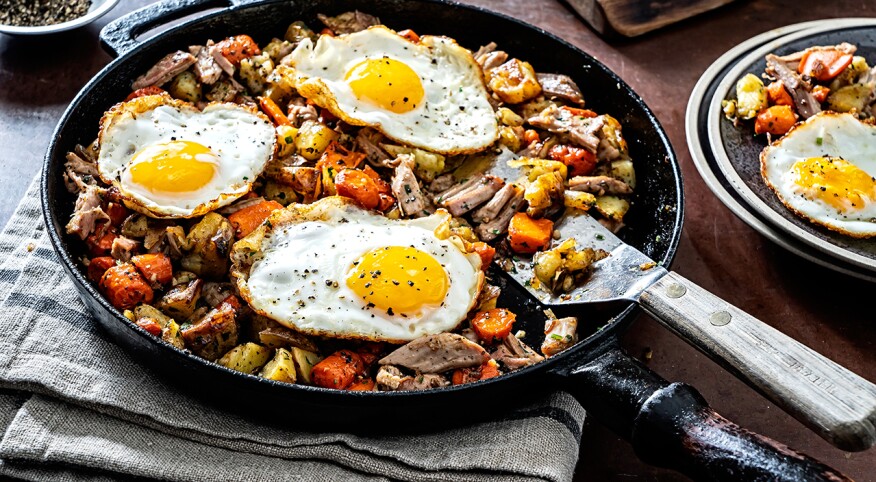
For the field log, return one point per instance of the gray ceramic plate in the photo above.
(736, 150)
(98, 9)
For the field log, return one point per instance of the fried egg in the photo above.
(334, 269)
(170, 160)
(429, 94)
(823, 170)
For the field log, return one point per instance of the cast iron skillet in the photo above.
(669, 424)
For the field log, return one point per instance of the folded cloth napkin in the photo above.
(75, 406)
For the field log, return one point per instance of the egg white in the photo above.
(455, 117)
(827, 134)
(303, 258)
(242, 140)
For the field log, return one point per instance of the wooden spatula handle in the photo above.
(832, 401)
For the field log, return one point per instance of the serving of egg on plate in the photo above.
(823, 169)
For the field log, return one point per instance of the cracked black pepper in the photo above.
(31, 13)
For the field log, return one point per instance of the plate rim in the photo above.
(722, 160)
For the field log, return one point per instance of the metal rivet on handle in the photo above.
(675, 290)
(719, 318)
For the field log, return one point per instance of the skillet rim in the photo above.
(590, 346)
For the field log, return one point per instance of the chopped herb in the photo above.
(557, 337)
(819, 140)
(600, 237)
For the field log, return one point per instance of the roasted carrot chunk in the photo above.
(823, 64)
(776, 120)
(530, 136)
(274, 111)
(362, 385)
(100, 242)
(820, 93)
(489, 369)
(528, 235)
(327, 31)
(155, 267)
(357, 185)
(382, 185)
(580, 161)
(485, 251)
(237, 48)
(777, 94)
(151, 90)
(117, 213)
(98, 266)
(339, 158)
(150, 325)
(493, 324)
(410, 35)
(338, 370)
(124, 287)
(247, 219)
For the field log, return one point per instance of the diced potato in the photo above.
(537, 167)
(277, 49)
(624, 170)
(246, 358)
(179, 301)
(751, 96)
(612, 207)
(170, 333)
(185, 86)
(508, 117)
(286, 140)
(514, 81)
(729, 108)
(542, 193)
(849, 98)
(578, 200)
(210, 240)
(222, 91)
(254, 72)
(149, 311)
(281, 84)
(304, 362)
(535, 106)
(508, 136)
(212, 334)
(313, 138)
(280, 193)
(427, 165)
(299, 31)
(281, 368)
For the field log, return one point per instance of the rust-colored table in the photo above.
(829, 312)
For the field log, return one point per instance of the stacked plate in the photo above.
(727, 157)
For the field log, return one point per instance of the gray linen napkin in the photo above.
(73, 405)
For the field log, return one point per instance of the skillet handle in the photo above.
(832, 401)
(120, 36)
(672, 426)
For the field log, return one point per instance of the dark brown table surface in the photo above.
(831, 313)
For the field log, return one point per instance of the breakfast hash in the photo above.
(322, 208)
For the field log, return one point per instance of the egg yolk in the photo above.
(176, 166)
(835, 181)
(398, 280)
(388, 83)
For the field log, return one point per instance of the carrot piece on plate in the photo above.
(824, 64)
(776, 120)
(338, 370)
(155, 267)
(124, 287)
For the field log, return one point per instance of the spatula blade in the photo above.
(622, 276)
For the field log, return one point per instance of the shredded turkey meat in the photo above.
(807, 105)
(599, 185)
(349, 22)
(205, 68)
(561, 87)
(87, 212)
(583, 131)
(390, 378)
(498, 225)
(406, 189)
(515, 354)
(167, 68)
(437, 354)
(468, 195)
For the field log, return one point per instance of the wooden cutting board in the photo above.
(630, 18)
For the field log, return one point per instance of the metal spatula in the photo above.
(832, 401)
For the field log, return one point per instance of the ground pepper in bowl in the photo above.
(31, 13)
